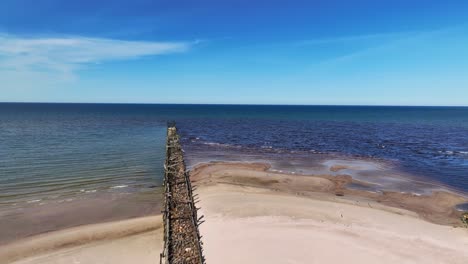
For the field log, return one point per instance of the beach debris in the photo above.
(339, 193)
(464, 218)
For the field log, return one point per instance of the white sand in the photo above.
(250, 225)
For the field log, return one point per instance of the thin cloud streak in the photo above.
(413, 41)
(366, 38)
(64, 55)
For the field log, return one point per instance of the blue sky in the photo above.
(248, 52)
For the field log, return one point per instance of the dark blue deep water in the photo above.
(54, 150)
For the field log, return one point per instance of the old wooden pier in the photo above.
(182, 240)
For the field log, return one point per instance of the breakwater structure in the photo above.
(182, 240)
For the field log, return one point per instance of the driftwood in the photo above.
(182, 240)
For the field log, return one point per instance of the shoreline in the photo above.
(17, 224)
(373, 170)
(272, 211)
(352, 174)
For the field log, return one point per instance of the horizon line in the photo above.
(231, 104)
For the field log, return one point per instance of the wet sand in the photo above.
(128, 241)
(141, 248)
(36, 219)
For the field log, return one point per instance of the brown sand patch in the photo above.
(336, 168)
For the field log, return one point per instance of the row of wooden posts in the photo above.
(182, 240)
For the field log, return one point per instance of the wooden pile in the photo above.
(182, 240)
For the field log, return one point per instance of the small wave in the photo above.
(119, 186)
(65, 200)
(450, 152)
(446, 152)
(217, 144)
(34, 201)
(266, 147)
(90, 191)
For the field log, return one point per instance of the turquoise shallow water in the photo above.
(53, 152)
(59, 151)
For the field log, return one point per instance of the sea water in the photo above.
(51, 152)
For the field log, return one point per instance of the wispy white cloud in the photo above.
(407, 46)
(62, 56)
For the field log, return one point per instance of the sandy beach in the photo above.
(252, 225)
(254, 215)
(127, 241)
